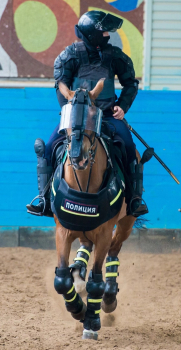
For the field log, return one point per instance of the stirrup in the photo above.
(141, 210)
(44, 203)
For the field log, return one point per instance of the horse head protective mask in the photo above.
(80, 115)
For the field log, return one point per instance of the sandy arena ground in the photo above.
(33, 316)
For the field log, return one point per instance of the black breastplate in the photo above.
(88, 75)
(80, 211)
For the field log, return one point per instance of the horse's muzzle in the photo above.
(80, 163)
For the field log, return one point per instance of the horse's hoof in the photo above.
(81, 315)
(109, 308)
(89, 334)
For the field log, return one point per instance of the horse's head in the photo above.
(82, 122)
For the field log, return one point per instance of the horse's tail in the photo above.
(140, 223)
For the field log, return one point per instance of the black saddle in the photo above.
(115, 144)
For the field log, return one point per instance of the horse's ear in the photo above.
(93, 94)
(68, 94)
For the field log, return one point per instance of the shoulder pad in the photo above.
(68, 53)
(118, 53)
(109, 49)
(71, 49)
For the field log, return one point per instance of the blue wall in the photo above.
(29, 113)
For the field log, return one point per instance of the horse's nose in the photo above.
(83, 162)
(80, 163)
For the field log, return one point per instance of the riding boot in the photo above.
(136, 206)
(44, 173)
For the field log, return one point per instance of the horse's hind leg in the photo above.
(122, 232)
(63, 282)
(95, 285)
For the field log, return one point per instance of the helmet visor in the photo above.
(92, 118)
(109, 23)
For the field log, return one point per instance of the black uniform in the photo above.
(81, 64)
(67, 64)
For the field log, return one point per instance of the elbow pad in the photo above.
(58, 68)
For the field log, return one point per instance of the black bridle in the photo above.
(80, 99)
(92, 152)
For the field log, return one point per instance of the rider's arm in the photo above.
(65, 66)
(123, 67)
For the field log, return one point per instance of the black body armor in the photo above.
(89, 74)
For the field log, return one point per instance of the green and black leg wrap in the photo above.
(63, 284)
(95, 289)
(81, 261)
(111, 287)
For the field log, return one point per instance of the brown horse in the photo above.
(69, 281)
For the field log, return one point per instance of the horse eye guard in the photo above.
(91, 118)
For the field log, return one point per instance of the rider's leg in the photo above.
(134, 170)
(45, 158)
(135, 206)
(50, 144)
(44, 172)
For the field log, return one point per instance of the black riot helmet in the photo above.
(92, 24)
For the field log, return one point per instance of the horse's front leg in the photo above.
(63, 281)
(95, 285)
(123, 230)
(79, 267)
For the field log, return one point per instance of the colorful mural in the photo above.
(33, 33)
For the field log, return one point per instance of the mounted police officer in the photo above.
(83, 64)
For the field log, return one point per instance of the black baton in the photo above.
(147, 146)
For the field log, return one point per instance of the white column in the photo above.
(147, 43)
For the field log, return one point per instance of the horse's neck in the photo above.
(98, 170)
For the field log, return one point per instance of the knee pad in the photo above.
(39, 147)
(44, 171)
(63, 280)
(64, 285)
(95, 285)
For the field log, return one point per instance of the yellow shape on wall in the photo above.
(109, 0)
(126, 46)
(75, 5)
